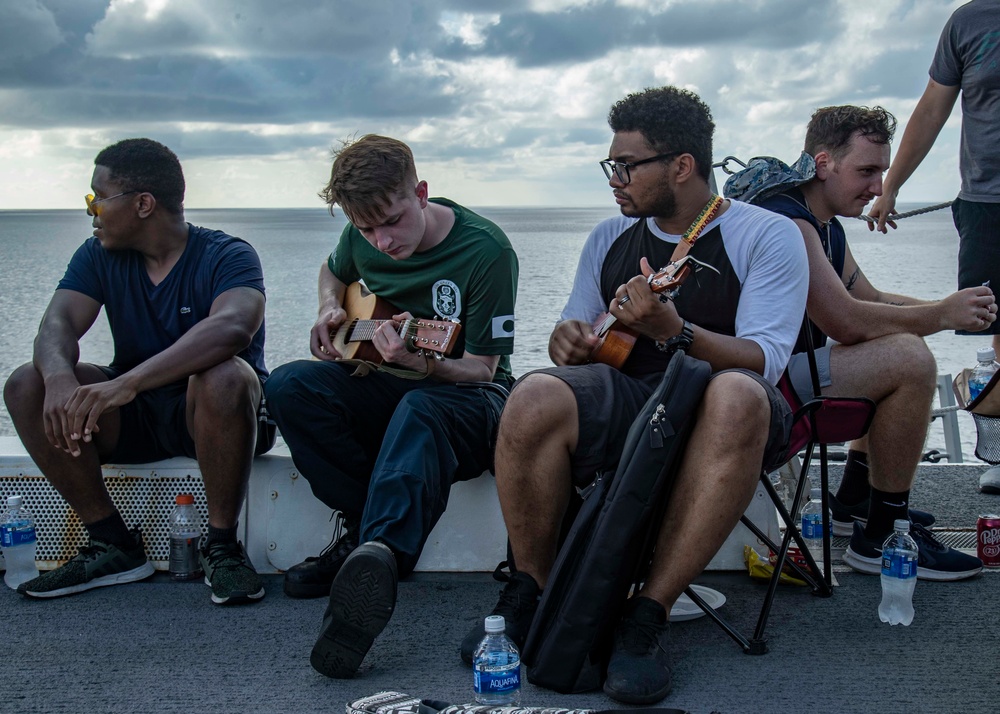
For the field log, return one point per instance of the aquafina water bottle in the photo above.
(983, 372)
(17, 537)
(899, 575)
(496, 667)
(812, 525)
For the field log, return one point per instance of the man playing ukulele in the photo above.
(383, 449)
(564, 425)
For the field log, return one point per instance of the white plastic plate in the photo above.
(685, 609)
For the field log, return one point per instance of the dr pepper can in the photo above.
(988, 540)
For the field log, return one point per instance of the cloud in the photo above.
(28, 30)
(510, 92)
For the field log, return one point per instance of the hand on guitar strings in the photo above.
(638, 307)
(322, 332)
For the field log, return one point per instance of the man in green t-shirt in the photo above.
(383, 449)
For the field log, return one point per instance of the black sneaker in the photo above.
(97, 565)
(639, 669)
(935, 560)
(518, 604)
(230, 574)
(844, 517)
(314, 576)
(362, 598)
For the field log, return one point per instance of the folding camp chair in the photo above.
(817, 423)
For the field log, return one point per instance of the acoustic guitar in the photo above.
(617, 340)
(366, 311)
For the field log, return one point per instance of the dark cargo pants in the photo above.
(383, 447)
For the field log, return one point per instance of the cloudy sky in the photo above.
(503, 101)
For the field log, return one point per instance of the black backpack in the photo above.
(610, 543)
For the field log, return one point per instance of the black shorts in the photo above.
(978, 227)
(608, 401)
(154, 425)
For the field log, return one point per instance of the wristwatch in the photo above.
(683, 340)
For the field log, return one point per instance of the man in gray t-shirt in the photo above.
(967, 60)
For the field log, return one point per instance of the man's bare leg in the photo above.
(537, 435)
(716, 481)
(222, 419)
(77, 478)
(715, 484)
(899, 374)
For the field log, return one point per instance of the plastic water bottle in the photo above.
(982, 373)
(899, 575)
(496, 667)
(812, 525)
(17, 536)
(185, 535)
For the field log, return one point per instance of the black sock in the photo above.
(221, 535)
(854, 486)
(884, 509)
(112, 530)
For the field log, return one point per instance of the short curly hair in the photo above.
(832, 128)
(670, 119)
(147, 166)
(366, 174)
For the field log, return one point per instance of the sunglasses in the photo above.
(93, 204)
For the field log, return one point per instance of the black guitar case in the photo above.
(609, 545)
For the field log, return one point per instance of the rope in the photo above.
(945, 410)
(915, 212)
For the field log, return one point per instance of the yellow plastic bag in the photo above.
(762, 570)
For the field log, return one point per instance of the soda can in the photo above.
(988, 539)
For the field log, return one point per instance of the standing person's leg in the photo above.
(115, 554)
(978, 227)
(438, 435)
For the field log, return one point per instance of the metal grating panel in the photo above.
(144, 500)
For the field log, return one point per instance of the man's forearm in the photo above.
(929, 116)
(210, 342)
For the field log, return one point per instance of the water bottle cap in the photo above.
(495, 623)
(901, 524)
(986, 354)
(815, 493)
(14, 501)
(184, 499)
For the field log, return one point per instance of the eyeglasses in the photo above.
(621, 169)
(95, 210)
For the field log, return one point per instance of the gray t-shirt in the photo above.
(968, 56)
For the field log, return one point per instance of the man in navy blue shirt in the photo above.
(186, 309)
(846, 152)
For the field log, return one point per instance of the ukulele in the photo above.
(617, 340)
(366, 311)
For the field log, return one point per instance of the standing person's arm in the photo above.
(930, 114)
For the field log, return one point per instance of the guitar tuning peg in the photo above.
(438, 356)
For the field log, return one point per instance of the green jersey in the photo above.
(470, 276)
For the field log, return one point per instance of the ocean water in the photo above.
(919, 259)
